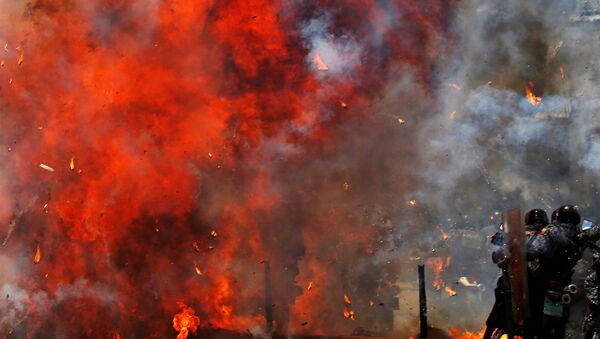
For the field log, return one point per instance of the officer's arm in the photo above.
(592, 234)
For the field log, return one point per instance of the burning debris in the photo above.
(349, 314)
(37, 258)
(347, 300)
(197, 269)
(450, 291)
(72, 164)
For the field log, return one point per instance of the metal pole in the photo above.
(422, 302)
(268, 298)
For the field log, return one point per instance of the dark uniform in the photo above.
(535, 221)
(552, 256)
(591, 322)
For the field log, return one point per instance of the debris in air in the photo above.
(38, 255)
(321, 66)
(47, 168)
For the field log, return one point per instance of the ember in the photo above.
(38, 255)
(450, 291)
(349, 314)
(535, 101)
(197, 269)
(347, 300)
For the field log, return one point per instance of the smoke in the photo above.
(487, 148)
(206, 139)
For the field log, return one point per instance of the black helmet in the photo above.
(568, 214)
(536, 216)
(554, 214)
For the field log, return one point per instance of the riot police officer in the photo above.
(552, 255)
(535, 221)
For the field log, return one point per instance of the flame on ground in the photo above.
(185, 321)
(459, 333)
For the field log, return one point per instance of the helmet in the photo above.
(568, 214)
(554, 214)
(536, 216)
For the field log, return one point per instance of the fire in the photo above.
(347, 299)
(413, 202)
(437, 265)
(401, 121)
(443, 233)
(459, 333)
(349, 314)
(38, 255)
(321, 66)
(214, 233)
(197, 269)
(534, 100)
(185, 321)
(562, 72)
(180, 114)
(310, 286)
(450, 291)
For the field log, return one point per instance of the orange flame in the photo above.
(459, 333)
(38, 255)
(349, 314)
(347, 300)
(444, 234)
(72, 164)
(450, 291)
(437, 265)
(310, 286)
(197, 269)
(343, 104)
(535, 101)
(185, 321)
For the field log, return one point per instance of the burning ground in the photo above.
(156, 153)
